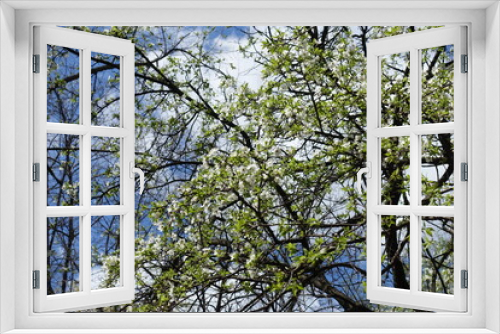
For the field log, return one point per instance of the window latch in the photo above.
(368, 171)
(133, 171)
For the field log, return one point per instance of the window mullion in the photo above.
(86, 166)
(415, 199)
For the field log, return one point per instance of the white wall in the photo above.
(492, 163)
(7, 158)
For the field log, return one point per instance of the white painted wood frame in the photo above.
(483, 23)
(86, 297)
(415, 297)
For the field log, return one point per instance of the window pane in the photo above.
(437, 169)
(395, 166)
(395, 250)
(437, 84)
(395, 89)
(63, 84)
(105, 171)
(63, 255)
(437, 254)
(63, 170)
(105, 252)
(105, 89)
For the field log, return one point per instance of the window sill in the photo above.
(250, 331)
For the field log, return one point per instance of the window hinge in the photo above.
(465, 279)
(465, 64)
(36, 172)
(464, 171)
(36, 63)
(36, 279)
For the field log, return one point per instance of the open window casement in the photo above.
(84, 168)
(416, 200)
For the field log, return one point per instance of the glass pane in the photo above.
(437, 169)
(437, 84)
(395, 166)
(63, 170)
(63, 84)
(105, 79)
(395, 250)
(437, 254)
(105, 171)
(105, 252)
(63, 255)
(395, 89)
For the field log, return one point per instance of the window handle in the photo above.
(133, 171)
(366, 170)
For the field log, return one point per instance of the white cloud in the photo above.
(246, 70)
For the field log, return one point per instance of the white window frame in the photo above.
(124, 132)
(413, 43)
(484, 102)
